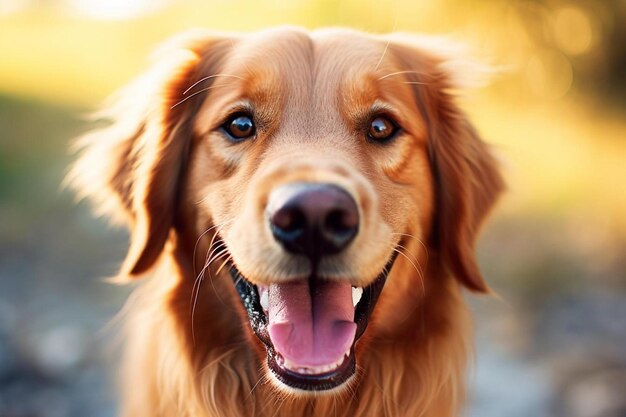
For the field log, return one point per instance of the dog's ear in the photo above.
(132, 168)
(467, 178)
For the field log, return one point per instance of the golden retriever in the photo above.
(303, 208)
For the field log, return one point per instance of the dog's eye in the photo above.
(381, 129)
(239, 127)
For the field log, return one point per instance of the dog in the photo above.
(303, 208)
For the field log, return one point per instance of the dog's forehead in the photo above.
(270, 59)
(318, 59)
(300, 59)
(344, 57)
(308, 75)
(309, 83)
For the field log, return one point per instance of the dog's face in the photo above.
(320, 156)
(314, 158)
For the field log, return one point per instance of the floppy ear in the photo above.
(467, 179)
(132, 169)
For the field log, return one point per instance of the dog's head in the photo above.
(314, 158)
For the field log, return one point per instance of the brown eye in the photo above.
(239, 127)
(381, 129)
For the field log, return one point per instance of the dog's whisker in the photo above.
(217, 251)
(417, 239)
(195, 247)
(414, 82)
(211, 280)
(214, 246)
(230, 258)
(404, 234)
(416, 269)
(196, 282)
(400, 73)
(217, 243)
(196, 290)
(197, 293)
(218, 255)
(196, 93)
(395, 24)
(214, 256)
(382, 56)
(193, 314)
(208, 78)
(210, 252)
(254, 387)
(412, 255)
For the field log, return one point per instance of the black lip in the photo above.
(258, 321)
(321, 382)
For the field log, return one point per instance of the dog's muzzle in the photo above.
(310, 325)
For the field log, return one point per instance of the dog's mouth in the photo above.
(310, 326)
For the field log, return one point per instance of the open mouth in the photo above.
(310, 327)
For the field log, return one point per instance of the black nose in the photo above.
(312, 219)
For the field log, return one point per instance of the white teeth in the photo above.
(265, 300)
(311, 370)
(357, 293)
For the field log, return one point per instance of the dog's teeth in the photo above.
(310, 370)
(338, 363)
(280, 360)
(265, 300)
(357, 293)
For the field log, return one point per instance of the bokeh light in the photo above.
(114, 9)
(549, 74)
(573, 30)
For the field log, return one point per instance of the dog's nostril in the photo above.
(288, 225)
(340, 221)
(312, 219)
(288, 219)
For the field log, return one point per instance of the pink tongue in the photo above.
(311, 329)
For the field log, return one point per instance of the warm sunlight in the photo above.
(114, 9)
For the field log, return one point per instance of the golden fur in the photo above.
(162, 168)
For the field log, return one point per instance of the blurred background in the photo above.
(553, 345)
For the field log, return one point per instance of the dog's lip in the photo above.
(249, 295)
(305, 382)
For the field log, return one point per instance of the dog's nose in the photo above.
(312, 219)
